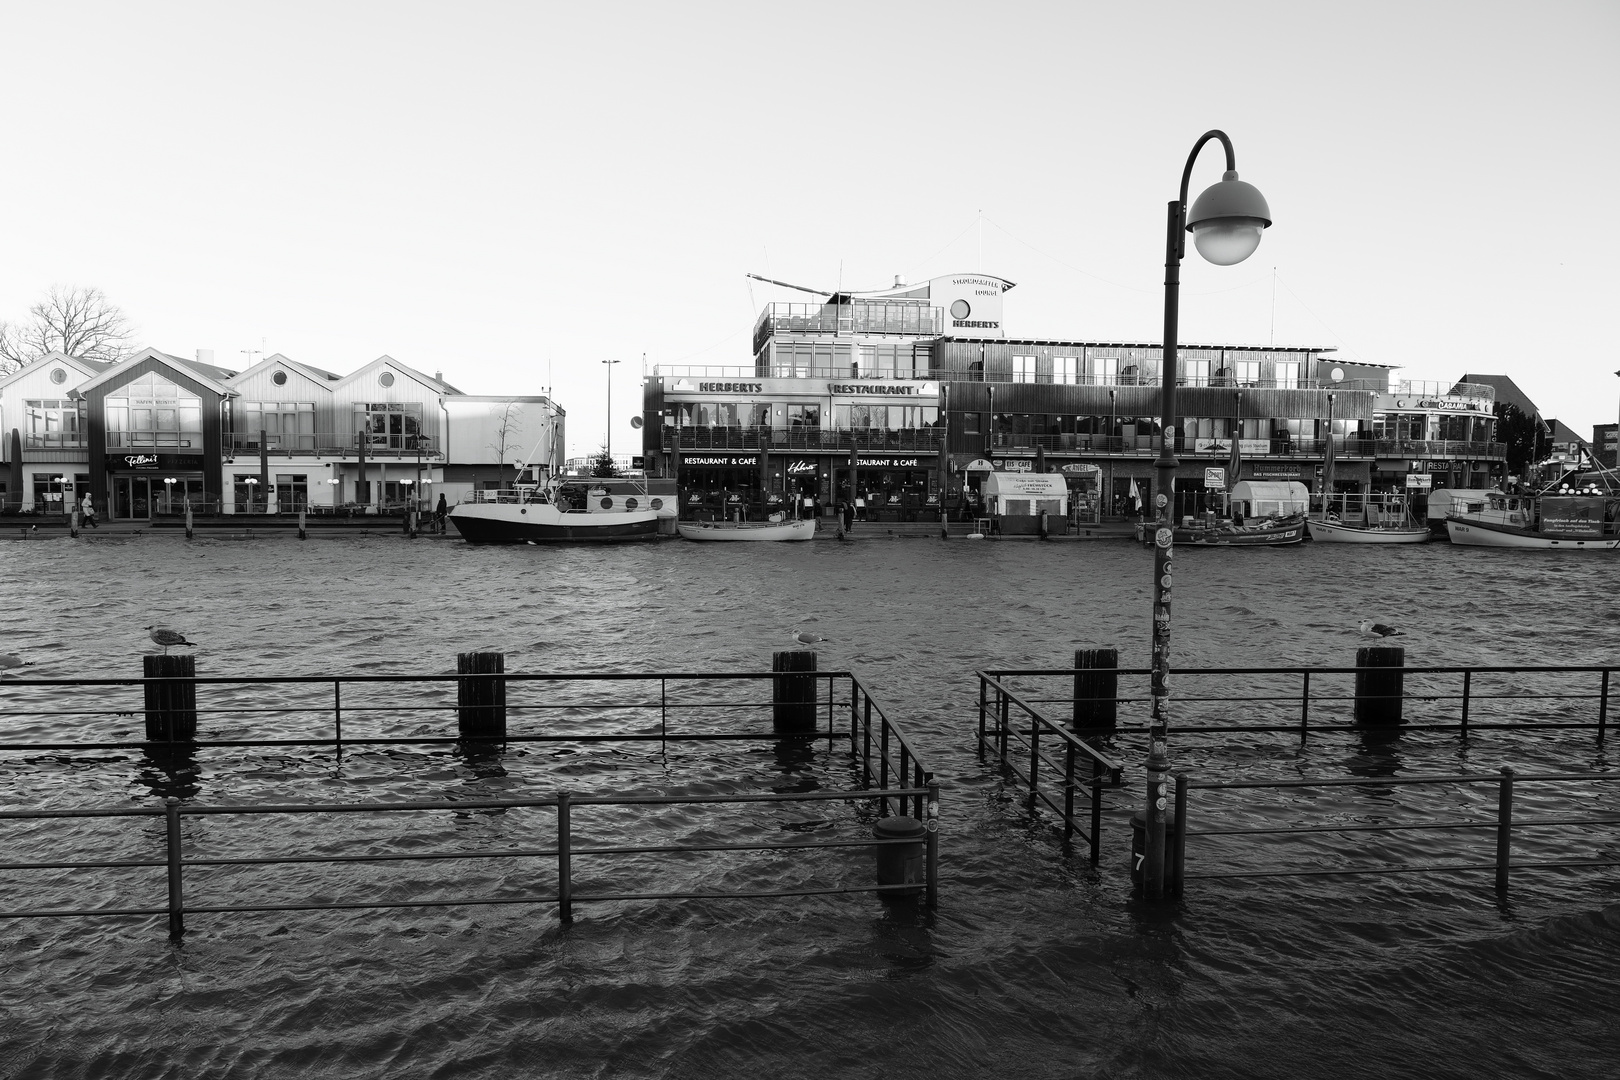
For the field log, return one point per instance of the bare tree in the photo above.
(77, 320)
(507, 428)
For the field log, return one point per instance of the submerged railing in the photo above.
(671, 710)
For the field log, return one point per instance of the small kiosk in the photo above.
(1263, 498)
(1026, 504)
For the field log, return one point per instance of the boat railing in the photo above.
(656, 720)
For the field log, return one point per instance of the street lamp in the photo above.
(1226, 222)
(610, 364)
(252, 483)
(168, 494)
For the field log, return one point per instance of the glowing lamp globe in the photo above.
(1227, 219)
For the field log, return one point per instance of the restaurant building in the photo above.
(902, 401)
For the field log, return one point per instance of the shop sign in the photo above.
(881, 389)
(802, 467)
(731, 388)
(1447, 405)
(889, 462)
(1276, 472)
(1081, 468)
(1215, 478)
(1419, 482)
(721, 461)
(1014, 465)
(154, 462)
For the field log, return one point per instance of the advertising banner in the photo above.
(1580, 516)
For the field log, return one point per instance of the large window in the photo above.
(287, 425)
(1195, 372)
(1248, 372)
(1288, 374)
(1023, 369)
(1065, 369)
(152, 411)
(1102, 369)
(391, 425)
(52, 423)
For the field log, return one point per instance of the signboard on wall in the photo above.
(719, 461)
(124, 463)
(912, 462)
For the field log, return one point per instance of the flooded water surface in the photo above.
(1035, 963)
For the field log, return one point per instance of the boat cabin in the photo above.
(1269, 498)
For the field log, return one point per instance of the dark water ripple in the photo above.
(1035, 964)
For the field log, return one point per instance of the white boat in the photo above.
(1337, 532)
(802, 529)
(532, 515)
(1578, 517)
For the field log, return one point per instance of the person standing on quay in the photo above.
(89, 509)
(440, 511)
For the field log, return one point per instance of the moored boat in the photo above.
(1582, 516)
(1223, 532)
(1337, 532)
(756, 531)
(543, 516)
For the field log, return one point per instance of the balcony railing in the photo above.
(1003, 378)
(332, 444)
(915, 317)
(56, 440)
(741, 438)
(1148, 445)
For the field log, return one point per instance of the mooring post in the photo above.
(73, 522)
(188, 520)
(793, 692)
(1096, 689)
(901, 856)
(303, 532)
(171, 697)
(1504, 827)
(481, 696)
(177, 913)
(1380, 685)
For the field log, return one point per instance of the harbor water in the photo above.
(1035, 964)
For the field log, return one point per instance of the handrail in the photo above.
(1504, 824)
(1075, 749)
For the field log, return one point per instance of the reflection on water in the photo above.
(1034, 962)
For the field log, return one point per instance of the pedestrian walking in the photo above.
(89, 509)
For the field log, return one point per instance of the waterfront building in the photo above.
(902, 401)
(158, 433)
(1606, 445)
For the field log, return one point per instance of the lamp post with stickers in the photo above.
(1226, 222)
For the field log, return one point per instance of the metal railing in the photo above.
(1469, 816)
(330, 444)
(1020, 726)
(926, 440)
(1304, 701)
(686, 709)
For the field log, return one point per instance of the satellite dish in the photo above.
(635, 421)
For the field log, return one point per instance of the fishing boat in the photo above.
(752, 531)
(558, 513)
(1212, 531)
(1372, 519)
(1581, 514)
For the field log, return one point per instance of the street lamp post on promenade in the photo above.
(1226, 222)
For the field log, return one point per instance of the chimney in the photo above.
(899, 281)
(205, 356)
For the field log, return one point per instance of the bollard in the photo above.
(481, 696)
(171, 697)
(188, 521)
(793, 692)
(302, 533)
(1172, 850)
(410, 529)
(1096, 689)
(1379, 692)
(1045, 528)
(73, 523)
(901, 864)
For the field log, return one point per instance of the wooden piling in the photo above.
(481, 696)
(793, 691)
(303, 532)
(171, 697)
(1380, 685)
(1096, 689)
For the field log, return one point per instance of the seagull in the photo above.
(165, 637)
(805, 637)
(1367, 626)
(11, 660)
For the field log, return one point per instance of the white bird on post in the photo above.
(165, 637)
(1367, 626)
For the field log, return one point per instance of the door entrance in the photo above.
(131, 497)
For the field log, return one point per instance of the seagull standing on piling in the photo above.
(165, 637)
(1367, 626)
(805, 637)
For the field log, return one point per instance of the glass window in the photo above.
(1102, 369)
(1023, 369)
(1195, 372)
(804, 415)
(153, 411)
(52, 422)
(1248, 372)
(1065, 369)
(1288, 374)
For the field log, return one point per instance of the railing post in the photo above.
(663, 716)
(1305, 709)
(337, 713)
(565, 869)
(177, 913)
(1096, 809)
(984, 704)
(932, 856)
(1034, 756)
(883, 753)
(1603, 704)
(1504, 827)
(1068, 791)
(1468, 679)
(1001, 722)
(1178, 865)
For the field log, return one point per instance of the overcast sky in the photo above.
(512, 193)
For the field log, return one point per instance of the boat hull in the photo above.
(1225, 534)
(542, 523)
(1332, 532)
(1483, 534)
(748, 531)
